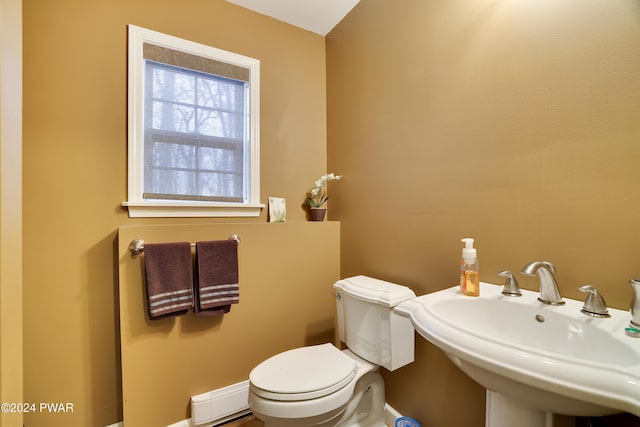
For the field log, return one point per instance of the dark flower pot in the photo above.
(317, 214)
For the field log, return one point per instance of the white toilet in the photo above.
(323, 386)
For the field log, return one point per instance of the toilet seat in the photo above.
(303, 373)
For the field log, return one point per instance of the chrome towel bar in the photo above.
(136, 247)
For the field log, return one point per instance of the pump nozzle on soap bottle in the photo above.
(469, 269)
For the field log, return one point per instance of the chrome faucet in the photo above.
(635, 303)
(594, 305)
(549, 293)
(511, 286)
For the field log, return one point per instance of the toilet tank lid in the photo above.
(374, 290)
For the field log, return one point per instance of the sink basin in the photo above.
(553, 359)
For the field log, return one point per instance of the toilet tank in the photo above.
(368, 325)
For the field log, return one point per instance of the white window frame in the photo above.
(137, 205)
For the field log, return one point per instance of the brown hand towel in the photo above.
(169, 277)
(217, 277)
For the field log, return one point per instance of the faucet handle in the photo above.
(511, 286)
(595, 304)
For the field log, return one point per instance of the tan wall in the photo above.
(286, 301)
(514, 122)
(75, 162)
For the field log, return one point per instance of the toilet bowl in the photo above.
(318, 387)
(323, 386)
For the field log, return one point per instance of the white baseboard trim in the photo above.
(391, 415)
(120, 424)
(183, 423)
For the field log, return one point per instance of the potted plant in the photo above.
(317, 196)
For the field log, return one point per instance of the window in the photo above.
(193, 129)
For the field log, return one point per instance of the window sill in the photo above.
(173, 209)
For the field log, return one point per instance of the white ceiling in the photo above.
(318, 16)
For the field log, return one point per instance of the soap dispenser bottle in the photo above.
(469, 269)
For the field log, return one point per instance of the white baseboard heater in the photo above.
(221, 405)
(224, 404)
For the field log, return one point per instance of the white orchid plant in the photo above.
(318, 194)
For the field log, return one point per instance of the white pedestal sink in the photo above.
(505, 412)
(534, 359)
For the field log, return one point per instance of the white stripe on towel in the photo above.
(213, 294)
(208, 288)
(168, 300)
(171, 307)
(164, 294)
(210, 301)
